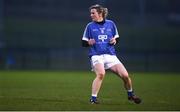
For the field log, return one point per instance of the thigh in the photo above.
(97, 64)
(119, 69)
(99, 69)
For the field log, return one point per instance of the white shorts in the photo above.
(107, 60)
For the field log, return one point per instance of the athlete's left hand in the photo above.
(112, 41)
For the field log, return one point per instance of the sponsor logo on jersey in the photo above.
(102, 37)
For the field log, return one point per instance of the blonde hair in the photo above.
(100, 9)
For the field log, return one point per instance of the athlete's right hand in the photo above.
(91, 42)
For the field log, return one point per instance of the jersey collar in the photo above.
(101, 22)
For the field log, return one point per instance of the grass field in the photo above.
(58, 90)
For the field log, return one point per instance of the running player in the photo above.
(100, 36)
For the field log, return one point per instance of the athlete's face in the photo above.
(95, 16)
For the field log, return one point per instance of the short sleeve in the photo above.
(86, 34)
(115, 31)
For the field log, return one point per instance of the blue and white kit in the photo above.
(101, 33)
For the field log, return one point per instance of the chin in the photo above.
(93, 20)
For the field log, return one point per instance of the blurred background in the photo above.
(46, 34)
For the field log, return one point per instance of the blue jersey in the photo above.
(101, 33)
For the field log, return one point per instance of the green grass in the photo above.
(57, 90)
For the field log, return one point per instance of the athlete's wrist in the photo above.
(113, 41)
(91, 42)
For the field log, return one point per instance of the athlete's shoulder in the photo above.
(90, 23)
(109, 21)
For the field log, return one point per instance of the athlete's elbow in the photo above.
(84, 43)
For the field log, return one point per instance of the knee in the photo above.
(101, 75)
(125, 78)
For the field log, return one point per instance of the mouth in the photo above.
(92, 18)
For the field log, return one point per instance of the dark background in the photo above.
(46, 34)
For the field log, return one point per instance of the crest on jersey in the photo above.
(102, 30)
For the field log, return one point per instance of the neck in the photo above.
(100, 20)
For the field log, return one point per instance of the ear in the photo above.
(100, 15)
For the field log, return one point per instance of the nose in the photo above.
(91, 15)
